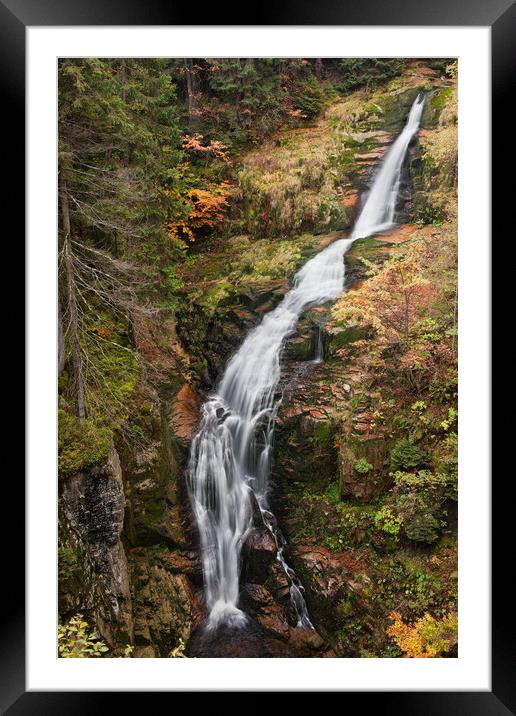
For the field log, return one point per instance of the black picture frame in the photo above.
(15, 16)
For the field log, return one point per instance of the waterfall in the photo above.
(230, 456)
(380, 204)
(319, 349)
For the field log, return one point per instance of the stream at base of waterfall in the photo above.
(230, 457)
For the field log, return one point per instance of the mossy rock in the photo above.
(346, 336)
(361, 468)
(369, 249)
(162, 606)
(299, 348)
(74, 581)
(153, 491)
(435, 104)
(305, 450)
(323, 434)
(396, 108)
(80, 445)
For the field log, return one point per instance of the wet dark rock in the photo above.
(266, 610)
(225, 642)
(257, 518)
(259, 553)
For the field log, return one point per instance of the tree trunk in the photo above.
(71, 294)
(60, 340)
(189, 88)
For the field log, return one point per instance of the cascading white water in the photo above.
(378, 211)
(231, 454)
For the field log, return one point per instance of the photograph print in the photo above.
(257, 392)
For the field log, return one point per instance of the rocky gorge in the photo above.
(364, 471)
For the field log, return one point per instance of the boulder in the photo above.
(259, 554)
(266, 610)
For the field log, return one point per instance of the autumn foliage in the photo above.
(410, 305)
(206, 210)
(427, 638)
(212, 148)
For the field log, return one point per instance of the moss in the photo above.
(267, 259)
(214, 296)
(348, 335)
(300, 348)
(114, 373)
(396, 106)
(366, 246)
(69, 564)
(435, 105)
(320, 517)
(323, 434)
(80, 445)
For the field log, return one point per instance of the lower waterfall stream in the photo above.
(230, 457)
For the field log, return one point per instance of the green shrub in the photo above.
(76, 641)
(69, 564)
(332, 492)
(405, 456)
(387, 521)
(80, 445)
(450, 420)
(446, 460)
(420, 521)
(309, 98)
(441, 64)
(421, 481)
(362, 466)
(443, 389)
(420, 497)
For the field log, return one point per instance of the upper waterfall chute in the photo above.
(379, 208)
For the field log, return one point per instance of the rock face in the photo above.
(92, 507)
(234, 317)
(184, 414)
(164, 564)
(142, 591)
(162, 606)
